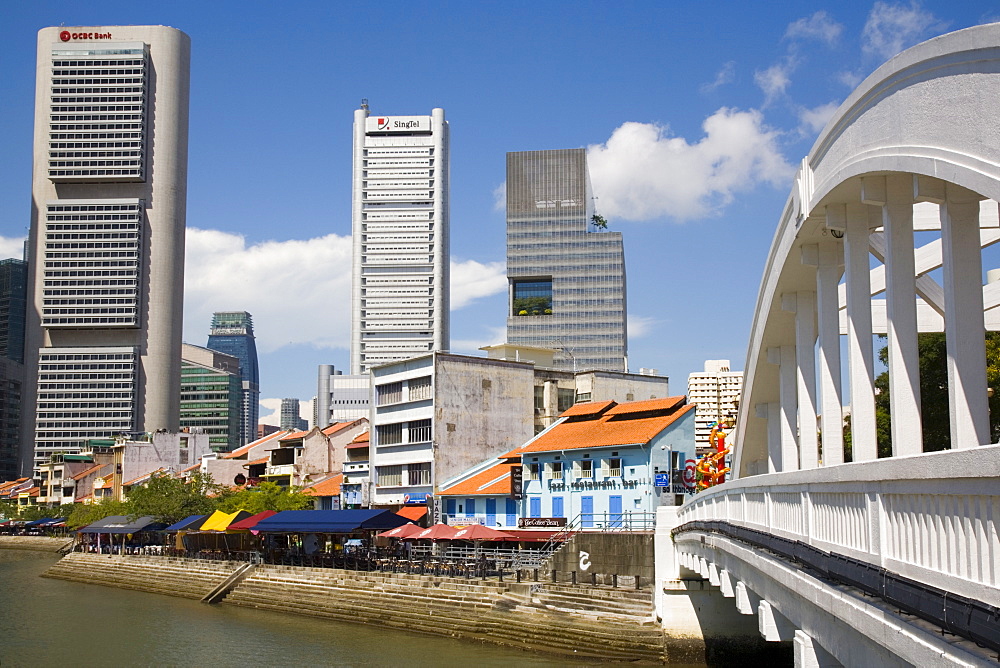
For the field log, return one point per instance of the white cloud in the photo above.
(815, 119)
(820, 26)
(471, 280)
(724, 76)
(274, 417)
(298, 291)
(642, 172)
(500, 197)
(890, 28)
(850, 79)
(494, 336)
(640, 326)
(775, 80)
(11, 247)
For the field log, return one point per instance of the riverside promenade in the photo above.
(584, 621)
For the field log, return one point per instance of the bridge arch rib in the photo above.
(915, 149)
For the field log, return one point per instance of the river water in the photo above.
(46, 622)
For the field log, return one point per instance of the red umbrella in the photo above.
(405, 531)
(480, 532)
(436, 532)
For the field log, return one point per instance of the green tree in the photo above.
(170, 499)
(88, 513)
(599, 221)
(934, 408)
(266, 496)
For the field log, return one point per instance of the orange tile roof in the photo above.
(294, 436)
(339, 426)
(262, 460)
(145, 476)
(84, 472)
(362, 438)
(239, 452)
(6, 486)
(494, 480)
(328, 487)
(605, 431)
(587, 408)
(191, 468)
(662, 404)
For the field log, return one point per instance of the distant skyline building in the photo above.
(715, 392)
(211, 396)
(400, 227)
(109, 197)
(566, 279)
(232, 333)
(341, 398)
(291, 415)
(13, 303)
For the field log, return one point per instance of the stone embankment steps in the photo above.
(534, 616)
(186, 578)
(34, 543)
(455, 607)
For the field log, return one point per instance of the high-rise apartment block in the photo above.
(339, 397)
(13, 302)
(211, 396)
(567, 276)
(232, 333)
(291, 415)
(399, 304)
(106, 246)
(716, 393)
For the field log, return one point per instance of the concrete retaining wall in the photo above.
(34, 543)
(627, 554)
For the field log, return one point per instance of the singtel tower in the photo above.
(109, 191)
(399, 305)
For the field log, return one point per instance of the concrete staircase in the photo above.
(186, 578)
(503, 613)
(594, 602)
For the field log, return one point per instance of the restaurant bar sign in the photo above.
(516, 482)
(541, 522)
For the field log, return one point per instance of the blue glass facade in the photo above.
(232, 333)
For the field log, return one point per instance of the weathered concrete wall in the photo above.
(36, 543)
(627, 554)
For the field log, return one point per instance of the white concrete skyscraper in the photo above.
(109, 193)
(400, 292)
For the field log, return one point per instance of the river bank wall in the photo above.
(596, 623)
(34, 543)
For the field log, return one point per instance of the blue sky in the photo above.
(694, 114)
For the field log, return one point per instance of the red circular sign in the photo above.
(64, 35)
(690, 473)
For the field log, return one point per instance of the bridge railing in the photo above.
(934, 518)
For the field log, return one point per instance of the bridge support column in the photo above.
(809, 655)
(964, 322)
(788, 455)
(743, 603)
(803, 305)
(895, 196)
(854, 220)
(774, 626)
(828, 257)
(726, 584)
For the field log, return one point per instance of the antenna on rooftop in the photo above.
(364, 104)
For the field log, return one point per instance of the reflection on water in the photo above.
(45, 622)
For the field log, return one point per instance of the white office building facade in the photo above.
(400, 222)
(106, 242)
(716, 393)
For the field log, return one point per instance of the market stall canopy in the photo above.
(187, 524)
(436, 532)
(412, 512)
(220, 521)
(480, 532)
(123, 524)
(251, 522)
(36, 523)
(329, 521)
(405, 531)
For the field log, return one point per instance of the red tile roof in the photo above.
(607, 430)
(294, 436)
(262, 460)
(328, 487)
(339, 426)
(239, 452)
(494, 480)
(361, 438)
(662, 404)
(587, 408)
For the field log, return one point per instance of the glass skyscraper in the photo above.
(566, 275)
(232, 333)
(13, 304)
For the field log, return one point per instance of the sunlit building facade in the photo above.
(106, 243)
(400, 291)
(566, 275)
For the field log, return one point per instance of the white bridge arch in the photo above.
(915, 147)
